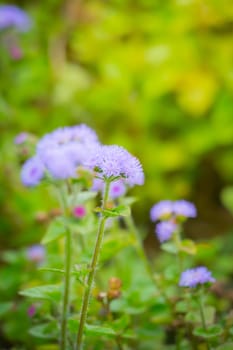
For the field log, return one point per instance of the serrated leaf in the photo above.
(188, 246)
(169, 247)
(45, 331)
(210, 332)
(47, 292)
(55, 230)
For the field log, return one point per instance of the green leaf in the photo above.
(169, 247)
(5, 308)
(47, 292)
(51, 269)
(82, 197)
(188, 246)
(121, 210)
(45, 331)
(195, 317)
(99, 330)
(55, 230)
(210, 332)
(121, 323)
(226, 346)
(113, 244)
(227, 198)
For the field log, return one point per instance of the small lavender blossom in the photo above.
(161, 209)
(193, 277)
(184, 208)
(13, 16)
(116, 162)
(32, 172)
(36, 253)
(21, 138)
(164, 230)
(117, 188)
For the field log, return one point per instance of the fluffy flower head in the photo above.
(193, 277)
(115, 161)
(164, 230)
(161, 209)
(13, 16)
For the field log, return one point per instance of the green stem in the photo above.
(67, 274)
(203, 320)
(177, 241)
(91, 275)
(66, 292)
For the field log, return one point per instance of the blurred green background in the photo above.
(154, 76)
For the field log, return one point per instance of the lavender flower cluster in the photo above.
(169, 213)
(59, 153)
(12, 16)
(198, 276)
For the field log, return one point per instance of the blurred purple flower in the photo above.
(165, 209)
(58, 164)
(117, 189)
(161, 209)
(184, 208)
(31, 310)
(21, 138)
(32, 172)
(115, 161)
(13, 16)
(194, 277)
(164, 230)
(36, 253)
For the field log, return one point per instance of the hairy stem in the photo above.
(91, 275)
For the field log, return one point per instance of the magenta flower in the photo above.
(79, 211)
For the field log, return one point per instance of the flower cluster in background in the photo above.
(12, 16)
(170, 214)
(197, 276)
(61, 152)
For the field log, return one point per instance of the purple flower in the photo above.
(13, 16)
(164, 230)
(161, 209)
(184, 208)
(32, 171)
(116, 162)
(194, 277)
(36, 253)
(58, 164)
(31, 310)
(117, 189)
(21, 138)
